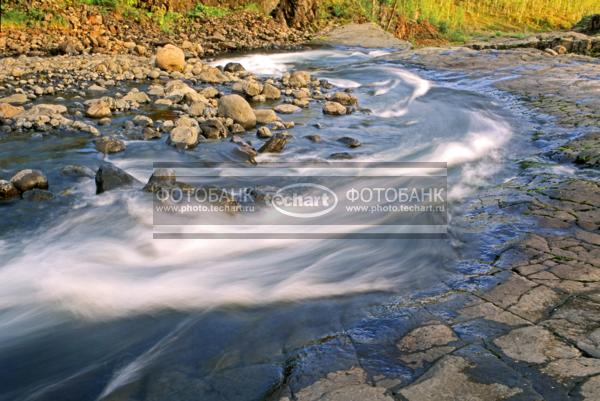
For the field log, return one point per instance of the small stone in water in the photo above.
(38, 195)
(287, 108)
(107, 145)
(275, 144)
(350, 142)
(341, 156)
(264, 132)
(8, 191)
(74, 170)
(334, 108)
(234, 67)
(28, 179)
(151, 133)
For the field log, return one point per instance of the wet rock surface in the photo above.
(365, 35)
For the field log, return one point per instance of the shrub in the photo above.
(201, 10)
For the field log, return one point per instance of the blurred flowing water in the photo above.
(91, 307)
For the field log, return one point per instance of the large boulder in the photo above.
(8, 111)
(44, 109)
(238, 109)
(17, 98)
(28, 179)
(109, 177)
(170, 58)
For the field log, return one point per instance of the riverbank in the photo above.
(91, 29)
(49, 27)
(524, 327)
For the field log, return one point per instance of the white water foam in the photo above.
(343, 83)
(398, 109)
(279, 63)
(95, 277)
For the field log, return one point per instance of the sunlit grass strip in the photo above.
(491, 14)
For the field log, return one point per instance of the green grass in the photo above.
(166, 20)
(28, 18)
(201, 10)
(14, 18)
(110, 4)
(253, 8)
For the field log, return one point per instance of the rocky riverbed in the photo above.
(520, 324)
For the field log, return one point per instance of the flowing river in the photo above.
(92, 307)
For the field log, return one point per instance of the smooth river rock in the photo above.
(170, 58)
(28, 179)
(238, 109)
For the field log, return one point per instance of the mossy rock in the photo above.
(589, 24)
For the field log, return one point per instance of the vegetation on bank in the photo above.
(461, 20)
(421, 21)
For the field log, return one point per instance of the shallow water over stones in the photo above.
(93, 308)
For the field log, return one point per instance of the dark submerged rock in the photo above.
(109, 177)
(341, 156)
(275, 144)
(38, 195)
(75, 170)
(349, 141)
(234, 67)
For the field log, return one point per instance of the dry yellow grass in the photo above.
(471, 15)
